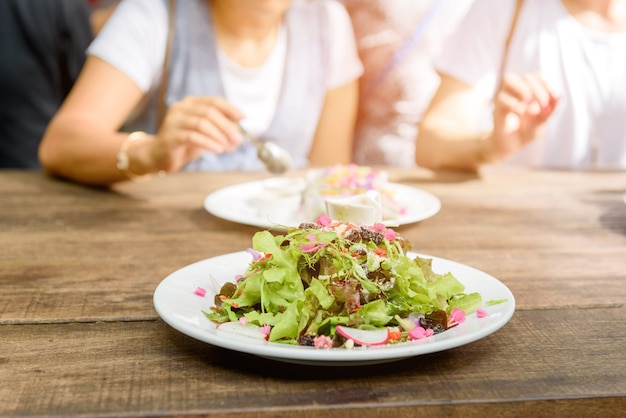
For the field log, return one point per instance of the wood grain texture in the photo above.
(79, 335)
(555, 240)
(145, 367)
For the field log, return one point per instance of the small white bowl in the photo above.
(277, 207)
(280, 200)
(363, 208)
(285, 185)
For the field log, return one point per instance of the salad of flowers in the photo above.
(337, 284)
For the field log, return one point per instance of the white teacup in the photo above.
(363, 208)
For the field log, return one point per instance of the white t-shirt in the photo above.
(586, 69)
(255, 91)
(134, 41)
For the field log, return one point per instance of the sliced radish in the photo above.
(248, 330)
(364, 337)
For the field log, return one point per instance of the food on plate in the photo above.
(338, 284)
(343, 181)
(363, 208)
(280, 199)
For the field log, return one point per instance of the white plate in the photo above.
(178, 305)
(234, 204)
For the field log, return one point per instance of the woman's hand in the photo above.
(192, 126)
(522, 106)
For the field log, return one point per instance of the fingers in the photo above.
(211, 129)
(217, 112)
(205, 122)
(526, 95)
(192, 126)
(523, 105)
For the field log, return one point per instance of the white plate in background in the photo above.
(236, 204)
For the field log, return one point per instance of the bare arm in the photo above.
(450, 135)
(82, 141)
(335, 130)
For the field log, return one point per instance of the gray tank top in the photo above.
(194, 71)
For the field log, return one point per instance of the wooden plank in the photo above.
(605, 407)
(542, 359)
(120, 287)
(87, 254)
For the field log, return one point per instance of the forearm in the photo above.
(337, 152)
(78, 151)
(334, 137)
(440, 148)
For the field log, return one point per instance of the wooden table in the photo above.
(79, 335)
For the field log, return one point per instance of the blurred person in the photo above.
(397, 42)
(286, 70)
(101, 10)
(42, 49)
(554, 98)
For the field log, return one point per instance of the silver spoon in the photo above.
(276, 159)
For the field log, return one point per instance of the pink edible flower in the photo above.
(313, 244)
(238, 277)
(390, 234)
(456, 317)
(256, 256)
(323, 341)
(243, 321)
(418, 333)
(200, 291)
(309, 248)
(481, 313)
(324, 220)
(265, 330)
